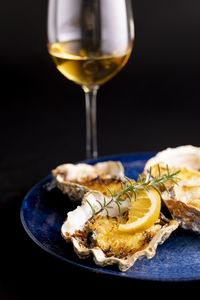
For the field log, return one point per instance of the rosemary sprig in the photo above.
(130, 189)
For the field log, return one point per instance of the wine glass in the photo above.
(90, 41)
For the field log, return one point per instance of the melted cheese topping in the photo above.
(100, 185)
(114, 242)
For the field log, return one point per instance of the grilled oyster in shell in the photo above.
(77, 179)
(182, 200)
(97, 234)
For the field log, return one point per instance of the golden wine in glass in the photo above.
(90, 41)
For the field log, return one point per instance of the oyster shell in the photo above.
(180, 157)
(77, 179)
(93, 232)
(182, 200)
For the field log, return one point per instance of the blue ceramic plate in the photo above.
(45, 208)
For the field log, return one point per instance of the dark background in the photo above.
(151, 104)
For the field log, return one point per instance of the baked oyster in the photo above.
(94, 229)
(77, 179)
(182, 199)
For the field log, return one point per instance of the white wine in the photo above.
(86, 67)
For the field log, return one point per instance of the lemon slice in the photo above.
(144, 211)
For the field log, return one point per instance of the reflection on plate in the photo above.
(45, 208)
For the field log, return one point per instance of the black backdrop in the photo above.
(151, 104)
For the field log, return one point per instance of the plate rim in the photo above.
(95, 268)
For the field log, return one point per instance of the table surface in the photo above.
(42, 124)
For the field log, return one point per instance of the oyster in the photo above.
(182, 200)
(77, 179)
(92, 229)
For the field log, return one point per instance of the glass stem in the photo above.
(91, 124)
